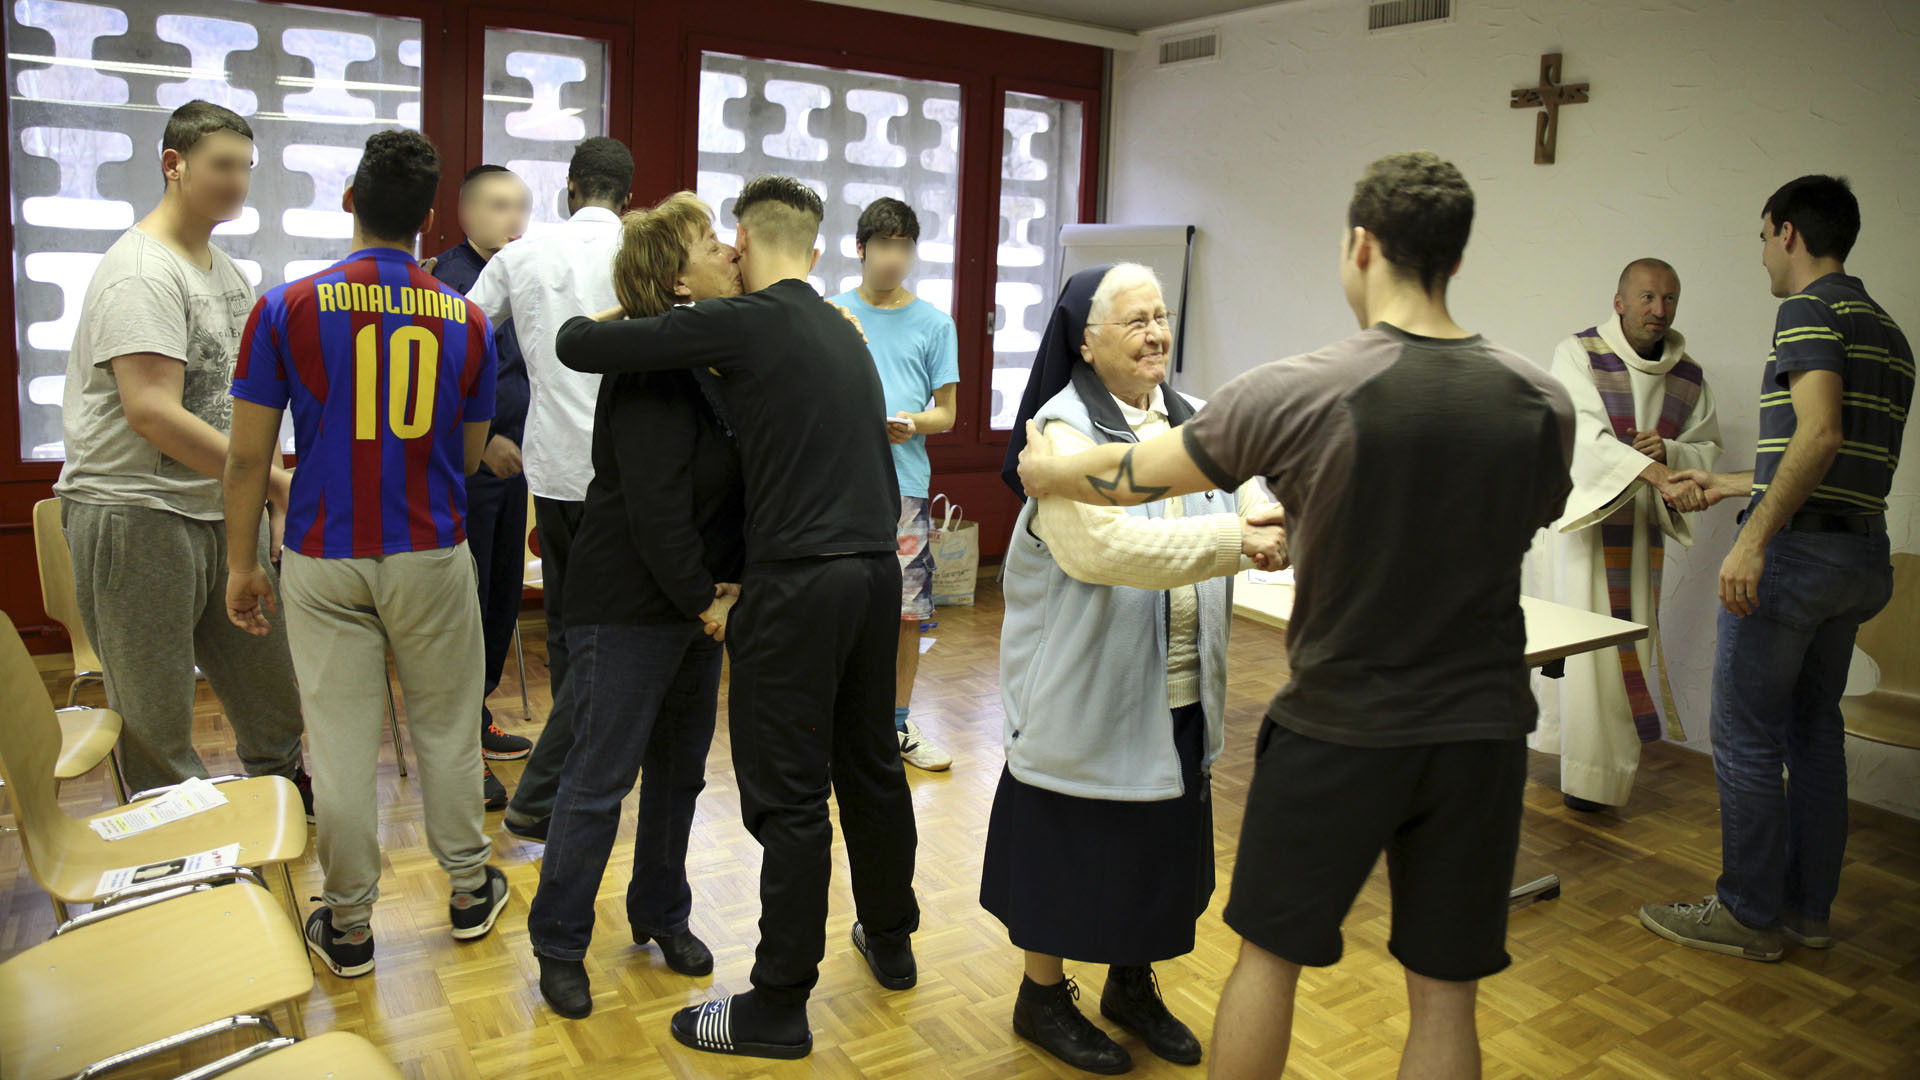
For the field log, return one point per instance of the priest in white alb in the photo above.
(1645, 412)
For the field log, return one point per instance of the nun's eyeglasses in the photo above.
(1137, 326)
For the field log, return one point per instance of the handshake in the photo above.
(1690, 490)
(1263, 538)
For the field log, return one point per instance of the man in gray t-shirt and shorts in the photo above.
(146, 414)
(1415, 461)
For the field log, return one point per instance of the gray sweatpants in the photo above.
(152, 588)
(342, 616)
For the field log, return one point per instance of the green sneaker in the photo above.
(1709, 925)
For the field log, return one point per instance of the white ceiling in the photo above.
(1134, 15)
(1112, 24)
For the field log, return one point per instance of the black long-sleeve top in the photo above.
(804, 401)
(665, 513)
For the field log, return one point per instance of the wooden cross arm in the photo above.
(1533, 97)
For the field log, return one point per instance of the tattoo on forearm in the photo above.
(1132, 494)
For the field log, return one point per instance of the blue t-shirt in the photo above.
(917, 351)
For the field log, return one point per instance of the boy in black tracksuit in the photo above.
(814, 634)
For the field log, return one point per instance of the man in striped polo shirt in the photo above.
(1810, 565)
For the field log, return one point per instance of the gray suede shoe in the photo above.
(1709, 925)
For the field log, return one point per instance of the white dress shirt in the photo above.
(540, 282)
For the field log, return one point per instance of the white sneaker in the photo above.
(916, 751)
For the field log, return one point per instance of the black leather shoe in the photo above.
(892, 965)
(1047, 1017)
(1585, 806)
(535, 830)
(684, 953)
(564, 984)
(1132, 1000)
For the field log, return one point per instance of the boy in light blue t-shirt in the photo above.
(917, 352)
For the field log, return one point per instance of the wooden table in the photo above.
(1554, 632)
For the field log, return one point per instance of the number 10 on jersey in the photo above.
(413, 369)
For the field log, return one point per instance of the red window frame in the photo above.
(654, 55)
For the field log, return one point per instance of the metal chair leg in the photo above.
(520, 661)
(393, 722)
(73, 688)
(60, 910)
(113, 773)
(293, 902)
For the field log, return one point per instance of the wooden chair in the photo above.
(323, 1057)
(57, 594)
(262, 814)
(87, 738)
(147, 976)
(1890, 713)
(88, 735)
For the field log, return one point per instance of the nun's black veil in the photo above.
(1054, 363)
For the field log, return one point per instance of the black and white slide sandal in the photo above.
(709, 1027)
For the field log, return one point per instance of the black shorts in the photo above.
(1318, 816)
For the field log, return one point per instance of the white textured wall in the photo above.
(1700, 109)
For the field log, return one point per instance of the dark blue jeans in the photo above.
(1777, 679)
(558, 522)
(644, 698)
(497, 536)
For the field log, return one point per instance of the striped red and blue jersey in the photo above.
(381, 364)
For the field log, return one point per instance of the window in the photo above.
(1039, 192)
(853, 137)
(92, 85)
(544, 93)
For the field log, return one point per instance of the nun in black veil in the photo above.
(1113, 679)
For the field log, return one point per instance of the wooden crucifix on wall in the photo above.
(1548, 97)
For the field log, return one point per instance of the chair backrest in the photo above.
(1890, 637)
(56, 582)
(531, 575)
(29, 747)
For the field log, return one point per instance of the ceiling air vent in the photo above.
(1192, 49)
(1393, 14)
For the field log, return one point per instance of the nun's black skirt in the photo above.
(1101, 881)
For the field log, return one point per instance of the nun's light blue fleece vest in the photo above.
(1083, 668)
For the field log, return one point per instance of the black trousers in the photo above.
(559, 522)
(811, 708)
(497, 536)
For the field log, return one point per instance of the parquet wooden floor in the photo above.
(1591, 994)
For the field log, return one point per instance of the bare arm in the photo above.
(1105, 545)
(1120, 474)
(150, 394)
(939, 418)
(250, 452)
(150, 390)
(474, 442)
(1816, 440)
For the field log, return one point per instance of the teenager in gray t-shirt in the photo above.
(1415, 461)
(147, 298)
(146, 413)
